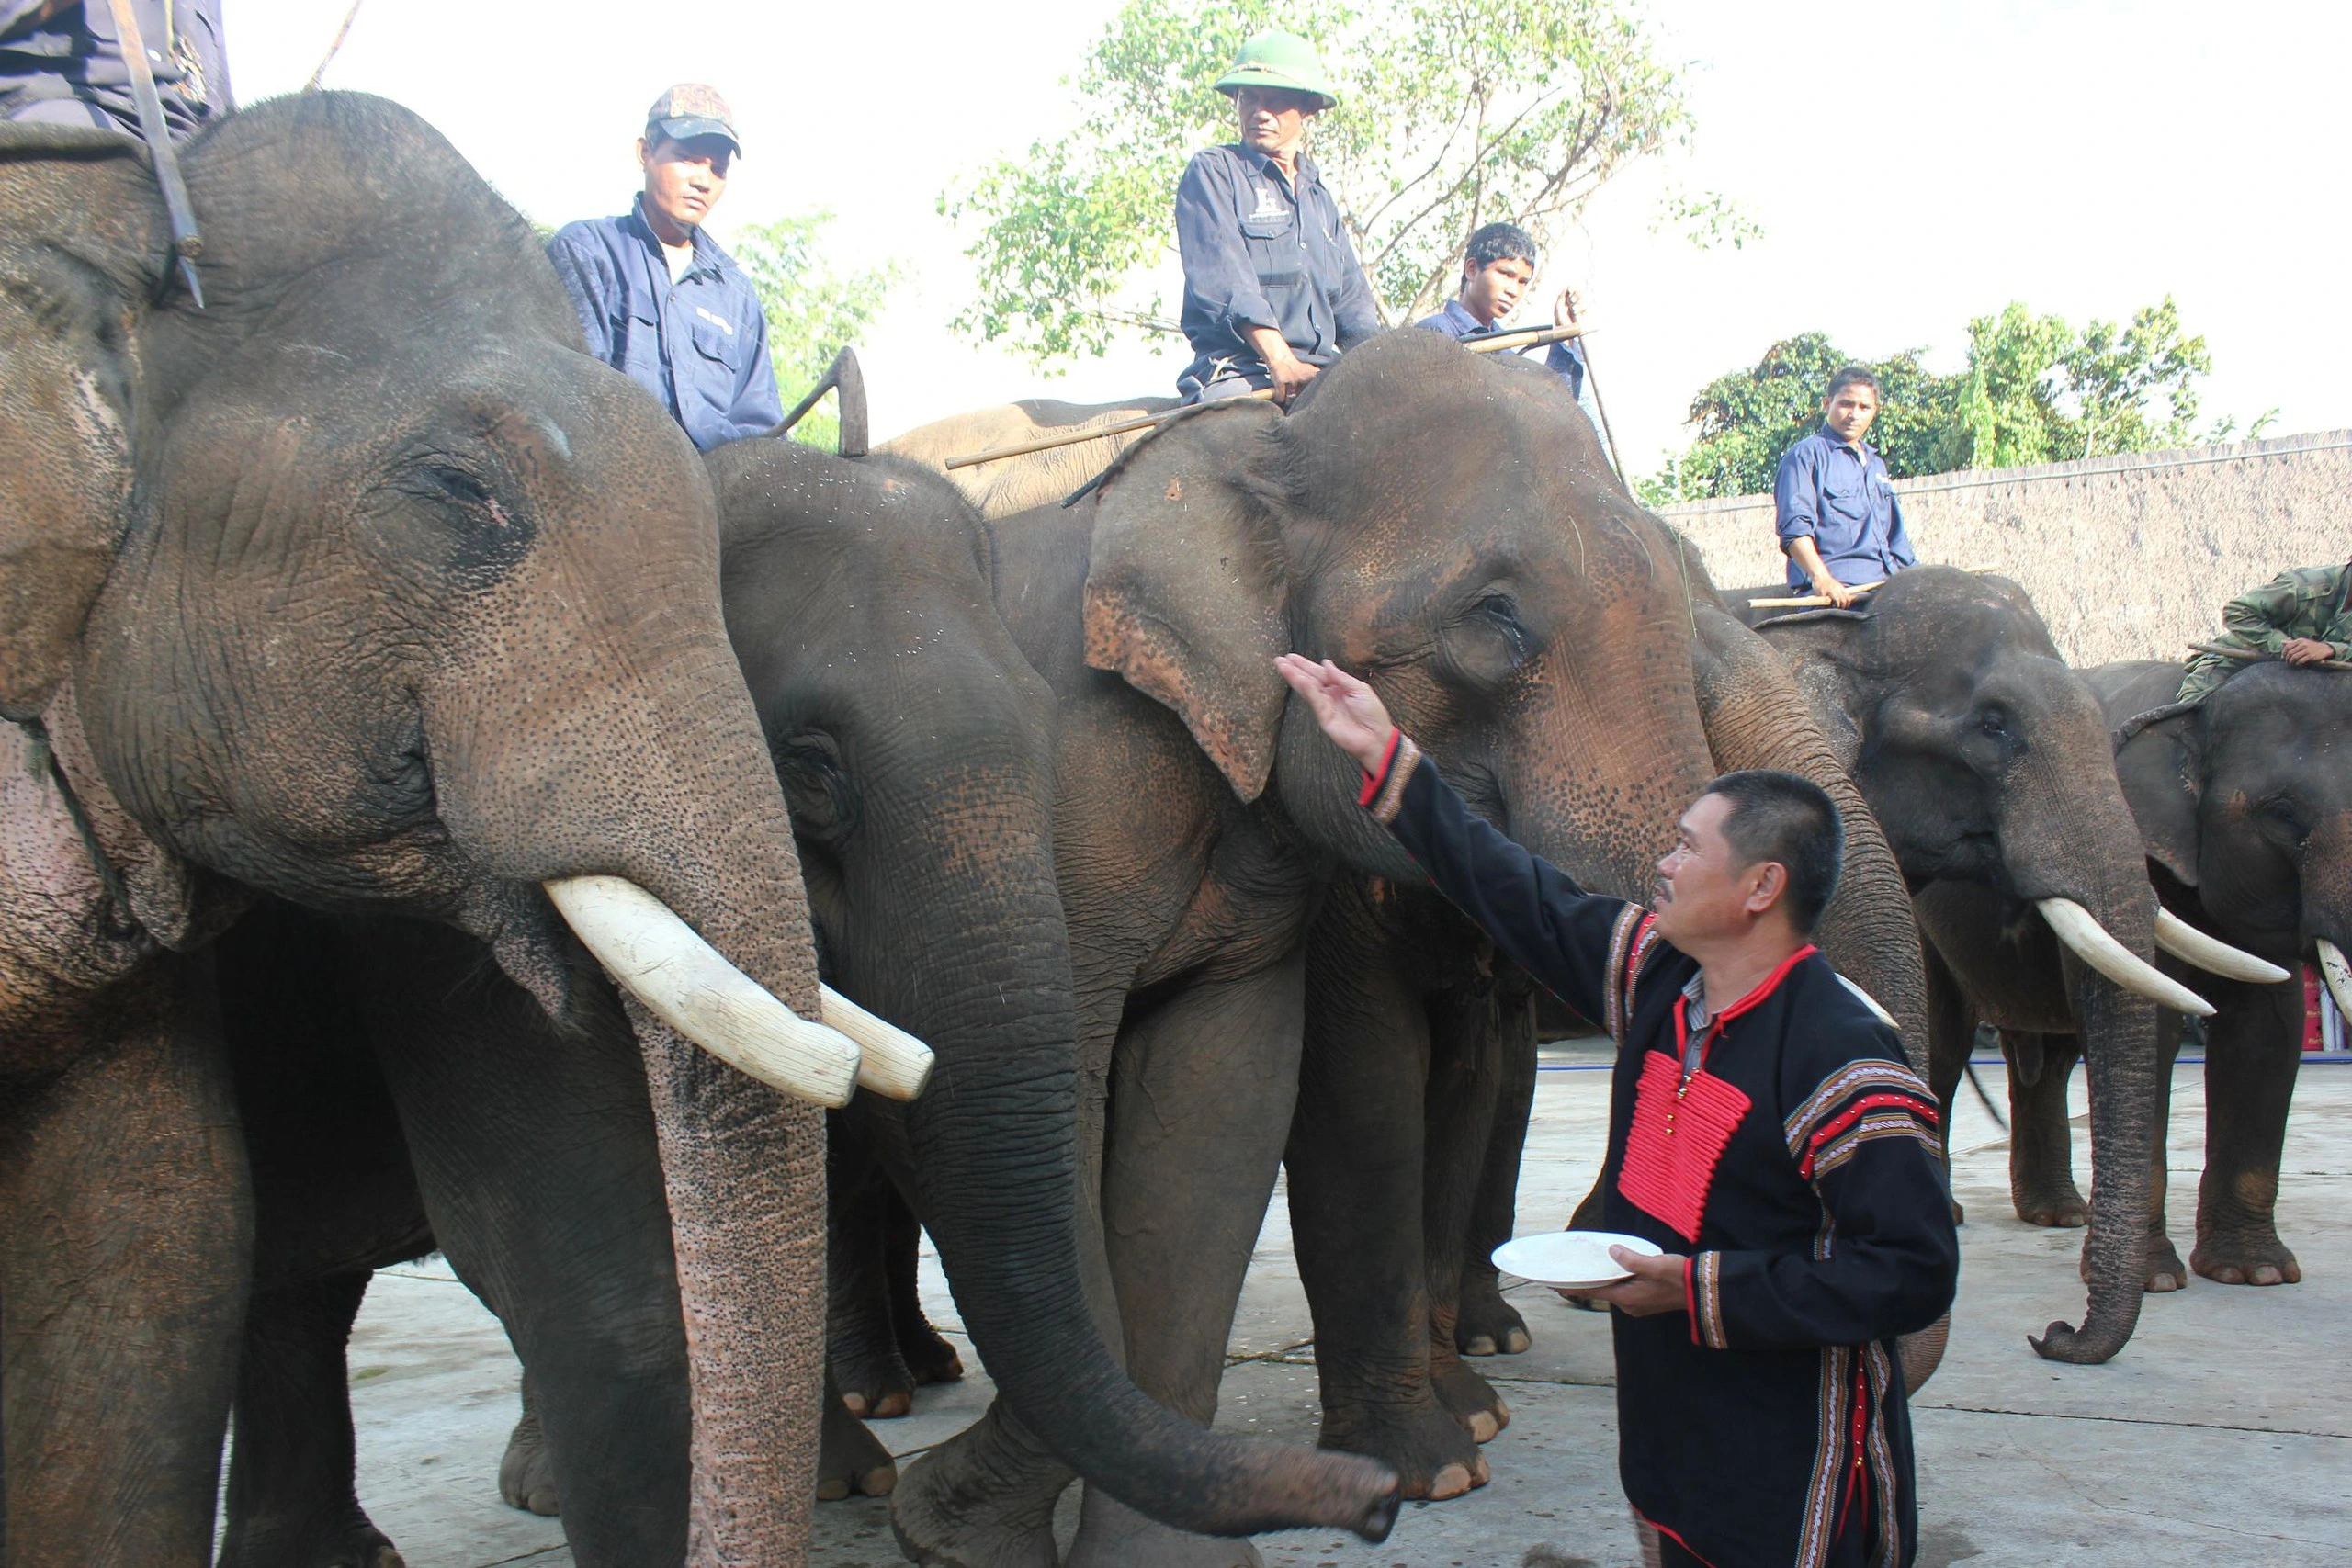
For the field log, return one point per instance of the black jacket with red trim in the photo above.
(1798, 1170)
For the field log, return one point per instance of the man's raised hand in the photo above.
(1348, 711)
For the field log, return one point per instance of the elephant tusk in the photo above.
(684, 981)
(2336, 971)
(2097, 946)
(891, 1062)
(2212, 954)
(1871, 1002)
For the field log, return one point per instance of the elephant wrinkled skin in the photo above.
(366, 588)
(1988, 761)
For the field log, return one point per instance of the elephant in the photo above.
(1987, 760)
(915, 748)
(1012, 485)
(2243, 806)
(1201, 818)
(363, 588)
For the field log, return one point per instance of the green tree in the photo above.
(1453, 113)
(2033, 390)
(813, 311)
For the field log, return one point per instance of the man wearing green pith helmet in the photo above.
(1272, 289)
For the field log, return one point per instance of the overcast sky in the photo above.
(1911, 167)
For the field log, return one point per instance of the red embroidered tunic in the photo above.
(1796, 1169)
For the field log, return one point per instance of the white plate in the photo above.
(1571, 1259)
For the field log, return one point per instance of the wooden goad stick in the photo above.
(1810, 600)
(1530, 337)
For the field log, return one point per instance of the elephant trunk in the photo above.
(2123, 1087)
(997, 1164)
(2327, 905)
(659, 774)
(2067, 834)
(743, 1166)
(1757, 718)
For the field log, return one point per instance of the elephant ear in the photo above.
(1820, 655)
(2162, 766)
(1187, 590)
(77, 259)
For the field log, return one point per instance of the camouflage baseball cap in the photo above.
(691, 109)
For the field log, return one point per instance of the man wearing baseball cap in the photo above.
(659, 301)
(1272, 289)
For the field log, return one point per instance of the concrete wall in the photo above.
(2129, 557)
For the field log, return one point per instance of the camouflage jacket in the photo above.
(2311, 601)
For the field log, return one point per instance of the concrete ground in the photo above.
(2224, 1432)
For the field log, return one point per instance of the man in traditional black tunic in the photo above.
(1763, 1130)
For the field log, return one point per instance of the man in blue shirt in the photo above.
(1272, 289)
(60, 63)
(1840, 522)
(1496, 267)
(658, 299)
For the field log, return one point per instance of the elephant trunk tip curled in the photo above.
(1347, 1490)
(2087, 1347)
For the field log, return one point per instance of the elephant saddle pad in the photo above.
(1679, 1131)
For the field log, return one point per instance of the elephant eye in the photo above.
(468, 490)
(816, 785)
(1486, 644)
(2279, 812)
(1501, 611)
(1994, 724)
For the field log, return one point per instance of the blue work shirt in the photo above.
(1840, 497)
(1564, 359)
(1259, 252)
(699, 345)
(69, 70)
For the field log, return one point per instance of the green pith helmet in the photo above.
(1279, 60)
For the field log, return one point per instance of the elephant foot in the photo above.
(2056, 1201)
(1427, 1445)
(351, 1540)
(928, 1355)
(2166, 1272)
(978, 1501)
(2247, 1257)
(526, 1474)
(1473, 1401)
(874, 1382)
(1488, 1325)
(1112, 1535)
(877, 1404)
(851, 1462)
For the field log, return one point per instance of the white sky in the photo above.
(1912, 165)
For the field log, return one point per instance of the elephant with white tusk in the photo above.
(1989, 763)
(365, 591)
(2243, 804)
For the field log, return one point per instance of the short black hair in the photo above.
(1500, 242)
(1852, 376)
(1788, 818)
